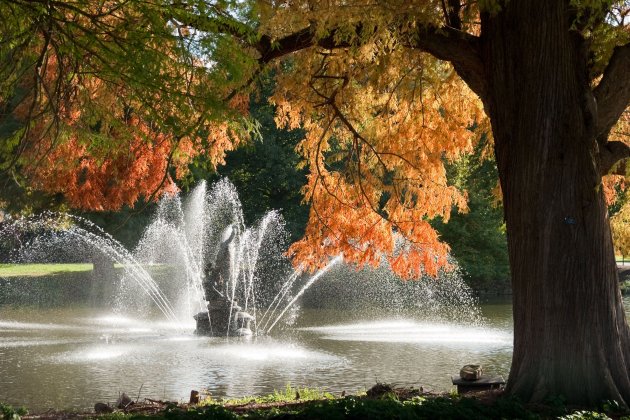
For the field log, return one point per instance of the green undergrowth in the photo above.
(9, 413)
(308, 403)
(355, 407)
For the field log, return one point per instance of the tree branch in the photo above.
(613, 91)
(447, 44)
(610, 155)
(221, 24)
(459, 48)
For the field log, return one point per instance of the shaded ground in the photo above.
(380, 402)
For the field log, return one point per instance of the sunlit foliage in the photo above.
(620, 226)
(383, 118)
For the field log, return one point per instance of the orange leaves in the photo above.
(109, 95)
(342, 221)
(135, 164)
(106, 138)
(611, 184)
(106, 182)
(222, 139)
(381, 120)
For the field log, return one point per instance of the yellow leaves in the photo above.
(610, 185)
(287, 116)
(620, 227)
(621, 130)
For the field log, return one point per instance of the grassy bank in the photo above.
(380, 402)
(59, 284)
(46, 284)
(38, 270)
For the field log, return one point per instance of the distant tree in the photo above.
(620, 225)
(477, 237)
(266, 171)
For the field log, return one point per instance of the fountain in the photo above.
(198, 260)
(219, 272)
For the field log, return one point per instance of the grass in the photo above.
(41, 270)
(288, 395)
(37, 270)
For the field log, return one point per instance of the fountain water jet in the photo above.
(348, 319)
(303, 289)
(196, 258)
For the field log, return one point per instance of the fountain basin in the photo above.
(42, 348)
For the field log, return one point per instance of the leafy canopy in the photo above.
(383, 117)
(112, 94)
(101, 99)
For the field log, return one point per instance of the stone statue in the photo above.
(221, 309)
(217, 275)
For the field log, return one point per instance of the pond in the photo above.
(72, 357)
(61, 345)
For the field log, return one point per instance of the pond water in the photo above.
(72, 357)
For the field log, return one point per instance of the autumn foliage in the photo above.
(620, 226)
(382, 120)
(114, 112)
(381, 123)
(107, 111)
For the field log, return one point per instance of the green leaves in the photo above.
(477, 238)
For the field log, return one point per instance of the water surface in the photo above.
(72, 357)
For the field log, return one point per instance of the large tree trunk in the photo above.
(571, 337)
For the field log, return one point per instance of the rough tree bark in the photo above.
(571, 337)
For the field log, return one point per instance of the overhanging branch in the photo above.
(613, 92)
(447, 44)
(611, 154)
(305, 38)
(444, 43)
(458, 47)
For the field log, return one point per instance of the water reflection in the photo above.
(82, 358)
(408, 331)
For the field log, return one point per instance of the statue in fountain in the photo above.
(224, 316)
(217, 276)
